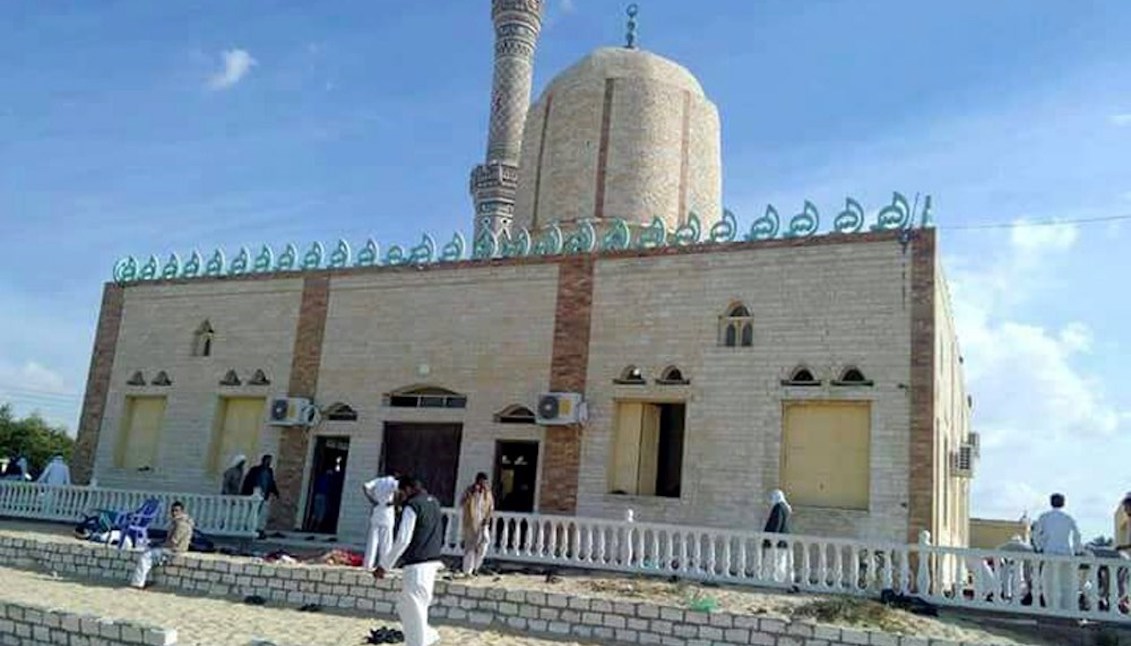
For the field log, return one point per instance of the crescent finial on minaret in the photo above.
(630, 36)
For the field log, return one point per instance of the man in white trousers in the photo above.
(420, 539)
(381, 492)
(1055, 534)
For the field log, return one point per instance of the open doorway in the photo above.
(428, 451)
(324, 493)
(516, 475)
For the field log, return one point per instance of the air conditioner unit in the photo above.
(291, 411)
(964, 461)
(975, 441)
(560, 409)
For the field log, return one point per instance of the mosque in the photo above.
(609, 338)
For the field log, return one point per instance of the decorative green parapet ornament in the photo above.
(215, 264)
(725, 229)
(192, 267)
(263, 260)
(618, 237)
(125, 270)
(240, 262)
(896, 215)
(486, 245)
(583, 239)
(395, 256)
(313, 257)
(288, 259)
(851, 219)
(550, 243)
(765, 227)
(368, 255)
(341, 256)
(653, 236)
(423, 253)
(453, 251)
(515, 246)
(172, 267)
(149, 270)
(926, 221)
(688, 233)
(804, 224)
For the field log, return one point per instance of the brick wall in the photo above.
(31, 625)
(352, 590)
(922, 477)
(97, 384)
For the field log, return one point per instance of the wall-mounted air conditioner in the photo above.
(291, 411)
(560, 409)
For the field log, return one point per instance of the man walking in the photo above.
(381, 492)
(1055, 534)
(176, 542)
(420, 539)
(260, 481)
(478, 507)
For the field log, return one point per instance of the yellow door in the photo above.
(237, 431)
(141, 433)
(826, 448)
(625, 464)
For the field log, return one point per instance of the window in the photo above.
(136, 379)
(426, 397)
(340, 412)
(826, 448)
(259, 378)
(236, 430)
(515, 414)
(230, 379)
(162, 379)
(852, 377)
(672, 375)
(801, 376)
(140, 433)
(736, 327)
(202, 340)
(647, 455)
(631, 375)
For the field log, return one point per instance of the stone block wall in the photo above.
(352, 590)
(30, 625)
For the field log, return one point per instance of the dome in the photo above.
(621, 62)
(623, 133)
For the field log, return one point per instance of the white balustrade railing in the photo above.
(1082, 587)
(236, 516)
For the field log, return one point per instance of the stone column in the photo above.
(494, 183)
(97, 384)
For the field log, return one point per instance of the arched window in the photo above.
(340, 412)
(136, 379)
(162, 379)
(631, 375)
(425, 397)
(672, 375)
(801, 376)
(852, 376)
(259, 378)
(515, 414)
(202, 340)
(736, 327)
(230, 379)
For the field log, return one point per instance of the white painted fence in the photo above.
(1000, 581)
(215, 515)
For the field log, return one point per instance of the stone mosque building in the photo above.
(607, 340)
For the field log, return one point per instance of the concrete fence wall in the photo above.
(22, 625)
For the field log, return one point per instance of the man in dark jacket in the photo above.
(419, 542)
(260, 480)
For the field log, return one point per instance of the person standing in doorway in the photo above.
(381, 492)
(478, 505)
(1055, 534)
(233, 476)
(419, 542)
(778, 523)
(176, 542)
(260, 481)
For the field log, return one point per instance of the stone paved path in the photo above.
(216, 622)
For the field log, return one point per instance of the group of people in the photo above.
(55, 473)
(258, 481)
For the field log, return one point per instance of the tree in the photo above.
(33, 438)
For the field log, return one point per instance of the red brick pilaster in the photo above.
(97, 383)
(305, 362)
(921, 479)
(568, 367)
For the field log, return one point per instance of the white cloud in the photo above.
(32, 376)
(237, 65)
(1121, 119)
(568, 6)
(1040, 239)
(35, 388)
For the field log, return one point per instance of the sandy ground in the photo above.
(217, 622)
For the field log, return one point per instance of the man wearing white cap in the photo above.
(380, 491)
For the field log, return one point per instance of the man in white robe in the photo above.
(1055, 534)
(56, 473)
(381, 492)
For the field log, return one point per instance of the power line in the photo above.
(1021, 224)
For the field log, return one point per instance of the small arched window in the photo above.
(136, 379)
(801, 376)
(852, 376)
(515, 414)
(672, 375)
(162, 379)
(259, 378)
(425, 397)
(202, 340)
(631, 375)
(230, 379)
(736, 327)
(340, 412)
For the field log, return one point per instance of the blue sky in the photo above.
(134, 127)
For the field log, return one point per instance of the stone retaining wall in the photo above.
(354, 590)
(22, 625)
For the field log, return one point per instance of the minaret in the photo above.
(494, 183)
